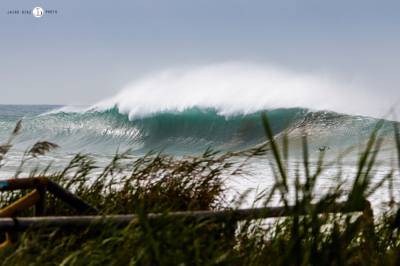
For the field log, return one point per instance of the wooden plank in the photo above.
(21, 204)
(23, 223)
(43, 183)
(69, 198)
(41, 204)
(22, 183)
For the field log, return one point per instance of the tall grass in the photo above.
(162, 183)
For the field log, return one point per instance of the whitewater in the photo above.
(238, 88)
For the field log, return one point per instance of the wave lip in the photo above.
(238, 88)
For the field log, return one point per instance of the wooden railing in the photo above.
(42, 185)
(36, 198)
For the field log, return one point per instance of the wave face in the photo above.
(181, 132)
(189, 131)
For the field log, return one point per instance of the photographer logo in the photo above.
(38, 12)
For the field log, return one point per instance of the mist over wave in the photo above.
(238, 88)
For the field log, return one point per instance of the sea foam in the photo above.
(241, 88)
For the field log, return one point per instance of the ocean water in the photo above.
(187, 132)
(101, 132)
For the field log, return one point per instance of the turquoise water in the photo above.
(189, 132)
(185, 132)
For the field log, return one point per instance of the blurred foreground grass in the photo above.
(162, 183)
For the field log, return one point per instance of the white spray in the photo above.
(239, 88)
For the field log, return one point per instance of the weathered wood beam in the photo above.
(22, 223)
(43, 183)
(27, 201)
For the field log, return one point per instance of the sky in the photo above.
(90, 50)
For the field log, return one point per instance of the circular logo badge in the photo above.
(38, 12)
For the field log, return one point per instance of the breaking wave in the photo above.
(189, 131)
(187, 110)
